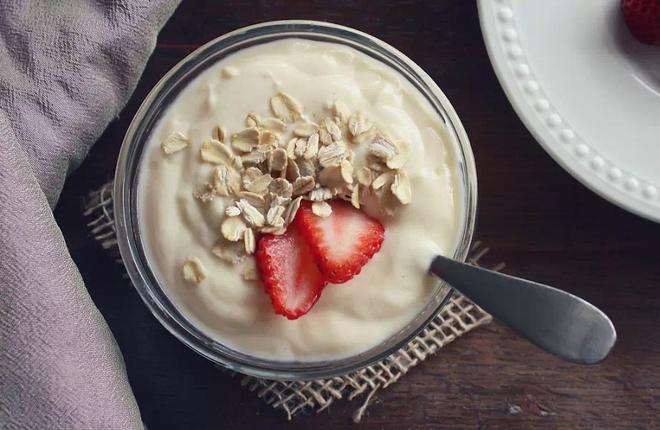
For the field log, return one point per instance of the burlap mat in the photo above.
(454, 320)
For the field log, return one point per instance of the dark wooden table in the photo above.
(537, 218)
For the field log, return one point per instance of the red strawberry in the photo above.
(341, 243)
(289, 273)
(643, 19)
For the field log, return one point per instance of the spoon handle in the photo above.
(554, 320)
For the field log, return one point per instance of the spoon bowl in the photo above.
(555, 320)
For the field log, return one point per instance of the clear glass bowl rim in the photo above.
(125, 191)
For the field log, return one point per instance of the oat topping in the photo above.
(341, 111)
(332, 155)
(358, 124)
(324, 136)
(214, 151)
(274, 214)
(251, 214)
(305, 129)
(264, 178)
(285, 107)
(193, 270)
(381, 180)
(255, 157)
(229, 72)
(382, 148)
(205, 193)
(249, 270)
(399, 160)
(291, 148)
(174, 142)
(237, 163)
(365, 138)
(291, 210)
(333, 130)
(225, 181)
(276, 200)
(219, 133)
(260, 184)
(292, 170)
(365, 176)
(346, 169)
(252, 120)
(377, 167)
(251, 174)
(273, 230)
(300, 148)
(249, 241)
(277, 160)
(401, 187)
(303, 185)
(246, 140)
(312, 148)
(233, 228)
(256, 200)
(281, 187)
(331, 177)
(320, 194)
(232, 211)
(385, 150)
(355, 197)
(306, 168)
(321, 209)
(273, 124)
(231, 252)
(269, 138)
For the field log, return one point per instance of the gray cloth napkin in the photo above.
(66, 70)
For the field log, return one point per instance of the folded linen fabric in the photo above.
(66, 70)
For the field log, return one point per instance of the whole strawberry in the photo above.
(643, 19)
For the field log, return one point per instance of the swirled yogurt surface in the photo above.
(349, 318)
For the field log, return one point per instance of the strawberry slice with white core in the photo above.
(289, 273)
(341, 243)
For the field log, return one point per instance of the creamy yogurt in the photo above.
(349, 318)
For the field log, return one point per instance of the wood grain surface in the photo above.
(535, 217)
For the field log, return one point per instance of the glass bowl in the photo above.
(125, 192)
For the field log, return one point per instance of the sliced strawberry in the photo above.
(341, 243)
(643, 19)
(289, 273)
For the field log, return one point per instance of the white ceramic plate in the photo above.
(586, 89)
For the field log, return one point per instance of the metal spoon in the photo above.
(554, 320)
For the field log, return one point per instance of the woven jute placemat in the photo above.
(455, 319)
